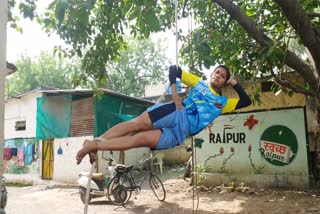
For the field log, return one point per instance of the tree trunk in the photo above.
(290, 58)
(300, 21)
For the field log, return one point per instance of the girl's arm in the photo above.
(175, 72)
(244, 99)
(186, 78)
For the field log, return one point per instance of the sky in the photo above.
(33, 40)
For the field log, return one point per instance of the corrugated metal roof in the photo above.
(24, 94)
(89, 91)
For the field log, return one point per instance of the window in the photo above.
(20, 125)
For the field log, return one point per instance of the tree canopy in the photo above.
(142, 63)
(33, 73)
(254, 38)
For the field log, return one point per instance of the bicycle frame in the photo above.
(137, 183)
(124, 183)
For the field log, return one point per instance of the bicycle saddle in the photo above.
(120, 168)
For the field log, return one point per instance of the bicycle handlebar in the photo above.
(150, 156)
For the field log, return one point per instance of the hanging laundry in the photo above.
(33, 149)
(14, 151)
(20, 157)
(9, 143)
(7, 154)
(28, 156)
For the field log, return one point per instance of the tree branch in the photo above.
(287, 84)
(313, 15)
(300, 21)
(289, 58)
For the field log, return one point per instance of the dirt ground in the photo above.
(180, 199)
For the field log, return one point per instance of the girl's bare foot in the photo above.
(92, 155)
(89, 147)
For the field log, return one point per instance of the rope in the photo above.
(176, 21)
(177, 49)
(194, 156)
(158, 101)
(194, 177)
(88, 187)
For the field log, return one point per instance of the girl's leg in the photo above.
(149, 138)
(140, 123)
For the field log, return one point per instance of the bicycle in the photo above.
(124, 183)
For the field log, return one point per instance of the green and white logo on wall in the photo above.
(278, 145)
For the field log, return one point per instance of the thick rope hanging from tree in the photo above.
(177, 49)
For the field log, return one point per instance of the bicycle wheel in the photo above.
(157, 187)
(120, 189)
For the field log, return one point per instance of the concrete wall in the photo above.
(65, 167)
(270, 146)
(177, 155)
(21, 109)
(292, 182)
(154, 90)
(132, 157)
(269, 100)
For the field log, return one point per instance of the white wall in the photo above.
(21, 109)
(154, 90)
(275, 147)
(132, 157)
(66, 168)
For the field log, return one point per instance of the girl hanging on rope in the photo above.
(166, 125)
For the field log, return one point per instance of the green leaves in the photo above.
(94, 30)
(198, 142)
(35, 72)
(27, 8)
(142, 63)
(60, 10)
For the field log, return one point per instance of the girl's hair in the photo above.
(227, 70)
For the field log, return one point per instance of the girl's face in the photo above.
(218, 78)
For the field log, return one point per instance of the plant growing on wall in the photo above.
(201, 168)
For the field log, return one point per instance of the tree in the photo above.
(142, 63)
(45, 70)
(252, 37)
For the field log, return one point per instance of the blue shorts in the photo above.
(172, 122)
